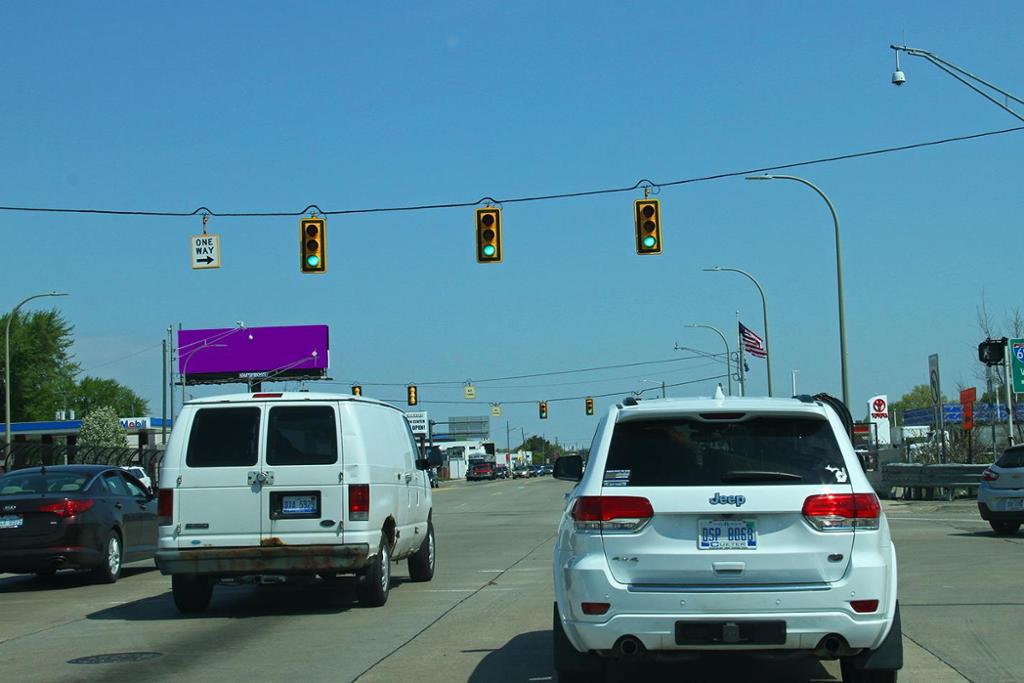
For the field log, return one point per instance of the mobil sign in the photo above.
(878, 413)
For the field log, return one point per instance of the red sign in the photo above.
(879, 408)
(967, 399)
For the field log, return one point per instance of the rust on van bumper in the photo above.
(278, 559)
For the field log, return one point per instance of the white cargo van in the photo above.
(279, 484)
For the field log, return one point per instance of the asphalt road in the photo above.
(486, 616)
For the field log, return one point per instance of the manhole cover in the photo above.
(116, 658)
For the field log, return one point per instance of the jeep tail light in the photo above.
(989, 474)
(68, 507)
(864, 606)
(165, 507)
(843, 511)
(359, 502)
(611, 513)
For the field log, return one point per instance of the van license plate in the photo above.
(11, 521)
(1015, 503)
(298, 505)
(726, 534)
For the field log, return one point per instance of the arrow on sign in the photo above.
(204, 260)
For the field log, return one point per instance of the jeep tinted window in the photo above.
(756, 451)
(224, 437)
(304, 435)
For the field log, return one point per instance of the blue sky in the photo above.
(273, 106)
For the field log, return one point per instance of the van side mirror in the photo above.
(435, 458)
(569, 468)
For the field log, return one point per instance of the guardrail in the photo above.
(928, 482)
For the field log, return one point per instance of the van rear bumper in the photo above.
(286, 559)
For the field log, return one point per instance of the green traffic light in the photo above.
(649, 241)
(489, 250)
(312, 260)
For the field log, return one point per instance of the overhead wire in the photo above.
(313, 208)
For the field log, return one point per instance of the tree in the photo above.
(101, 427)
(918, 397)
(93, 392)
(42, 372)
(542, 449)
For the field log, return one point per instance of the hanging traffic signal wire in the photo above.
(535, 198)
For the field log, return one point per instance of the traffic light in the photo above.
(992, 351)
(488, 235)
(648, 226)
(313, 245)
(543, 408)
(357, 390)
(590, 406)
(412, 398)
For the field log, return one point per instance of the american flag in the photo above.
(752, 344)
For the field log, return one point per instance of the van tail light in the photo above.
(611, 513)
(989, 474)
(165, 507)
(843, 511)
(68, 507)
(864, 606)
(359, 502)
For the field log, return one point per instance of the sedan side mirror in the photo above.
(569, 468)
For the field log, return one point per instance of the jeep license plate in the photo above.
(11, 521)
(1015, 503)
(298, 505)
(726, 534)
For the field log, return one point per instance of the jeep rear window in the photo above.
(1013, 457)
(303, 435)
(224, 437)
(756, 451)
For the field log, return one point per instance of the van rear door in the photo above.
(217, 504)
(302, 502)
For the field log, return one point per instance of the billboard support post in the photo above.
(1009, 393)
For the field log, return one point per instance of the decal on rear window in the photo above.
(616, 477)
(840, 473)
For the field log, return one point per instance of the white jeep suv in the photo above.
(721, 524)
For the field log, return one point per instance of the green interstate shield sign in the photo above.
(1017, 364)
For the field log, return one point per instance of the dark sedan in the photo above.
(74, 517)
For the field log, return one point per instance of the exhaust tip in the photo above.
(629, 646)
(833, 645)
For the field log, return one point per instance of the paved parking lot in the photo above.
(487, 614)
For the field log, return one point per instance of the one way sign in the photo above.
(205, 250)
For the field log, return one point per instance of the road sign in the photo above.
(967, 399)
(469, 392)
(1017, 364)
(205, 250)
(495, 410)
(418, 421)
(933, 378)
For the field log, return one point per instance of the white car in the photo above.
(140, 474)
(1001, 492)
(283, 484)
(724, 524)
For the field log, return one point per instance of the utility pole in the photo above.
(794, 382)
(163, 394)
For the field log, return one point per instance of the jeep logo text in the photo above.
(719, 499)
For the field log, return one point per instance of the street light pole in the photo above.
(7, 368)
(839, 274)
(764, 312)
(728, 365)
(184, 367)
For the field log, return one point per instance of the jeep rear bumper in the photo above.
(287, 559)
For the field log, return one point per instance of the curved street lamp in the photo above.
(839, 273)
(764, 311)
(7, 368)
(188, 357)
(728, 364)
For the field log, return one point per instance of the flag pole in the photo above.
(739, 357)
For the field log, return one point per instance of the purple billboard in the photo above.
(253, 354)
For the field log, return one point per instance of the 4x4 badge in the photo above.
(719, 499)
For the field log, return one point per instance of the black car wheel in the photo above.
(109, 569)
(192, 592)
(1005, 527)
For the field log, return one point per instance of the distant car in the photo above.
(545, 470)
(432, 476)
(140, 474)
(520, 473)
(1001, 493)
(74, 517)
(481, 470)
(501, 471)
(534, 470)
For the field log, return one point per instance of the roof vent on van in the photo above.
(630, 401)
